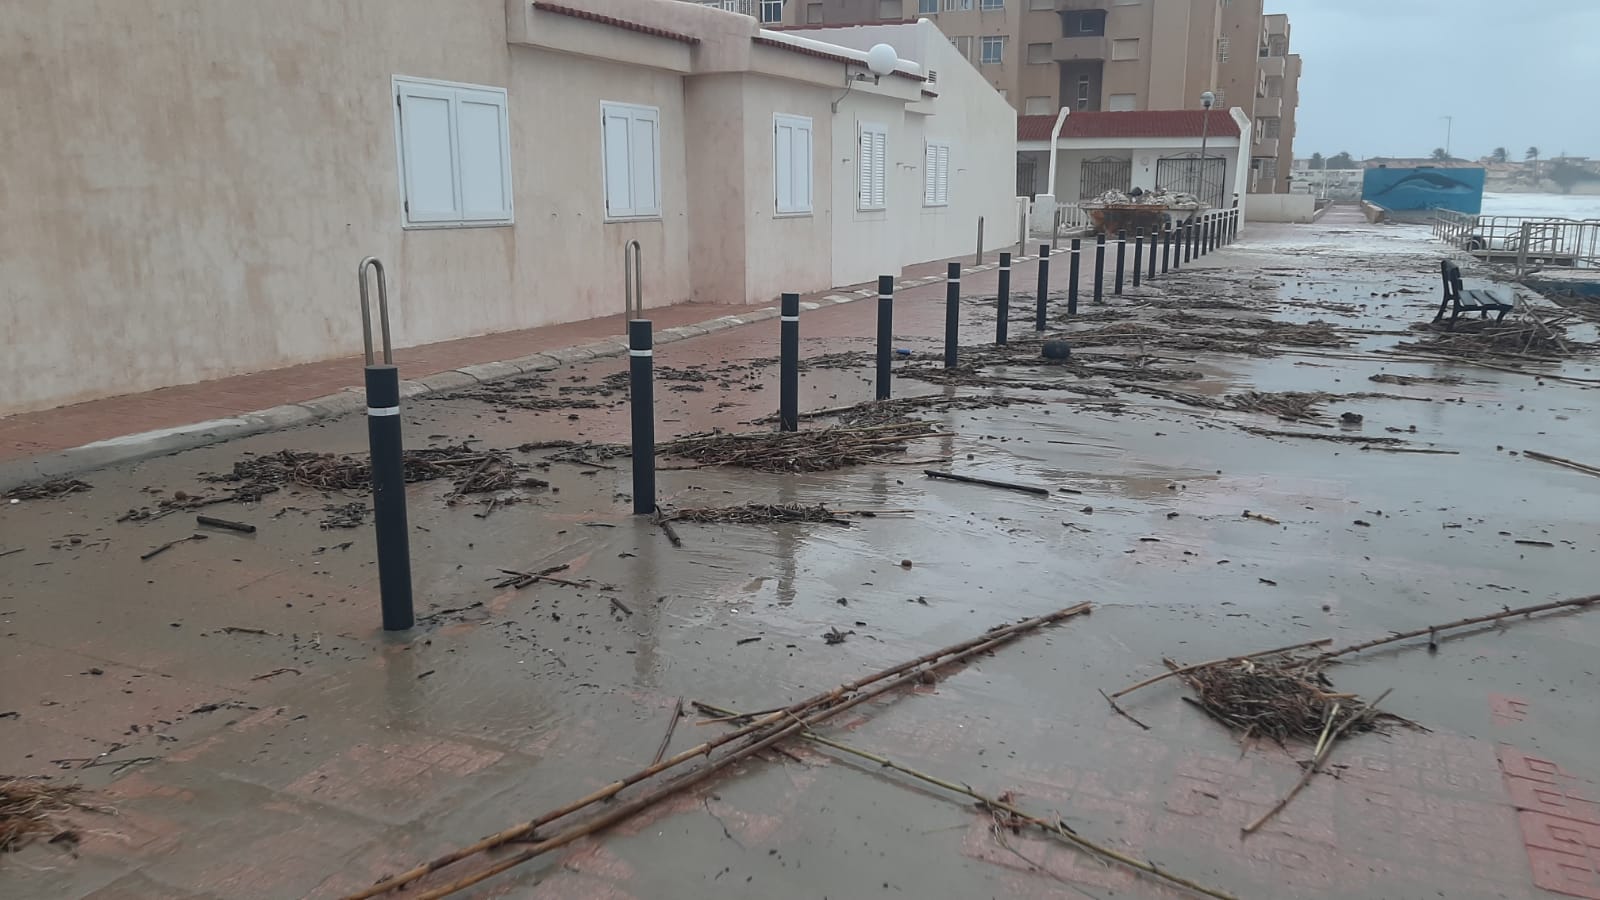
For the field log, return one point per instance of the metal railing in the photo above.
(1526, 243)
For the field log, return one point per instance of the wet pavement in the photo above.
(235, 701)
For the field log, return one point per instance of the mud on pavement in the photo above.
(232, 699)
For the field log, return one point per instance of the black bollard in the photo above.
(952, 314)
(1150, 275)
(1138, 255)
(1188, 240)
(1122, 251)
(1100, 267)
(1043, 296)
(789, 363)
(1180, 233)
(1215, 227)
(1072, 277)
(389, 496)
(1166, 246)
(885, 332)
(642, 392)
(1002, 301)
(387, 462)
(1205, 235)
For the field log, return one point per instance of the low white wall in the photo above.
(1297, 208)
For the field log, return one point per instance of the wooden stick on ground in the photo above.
(665, 521)
(994, 803)
(672, 725)
(1324, 747)
(986, 482)
(1217, 662)
(1562, 461)
(938, 658)
(1459, 623)
(782, 725)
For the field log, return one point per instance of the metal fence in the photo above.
(1525, 243)
(1106, 173)
(1189, 173)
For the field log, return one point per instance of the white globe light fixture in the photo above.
(881, 60)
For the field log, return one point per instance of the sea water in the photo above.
(1554, 206)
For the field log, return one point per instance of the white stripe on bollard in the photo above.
(788, 318)
(383, 410)
(641, 353)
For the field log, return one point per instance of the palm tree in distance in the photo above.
(1533, 156)
(1499, 155)
(1439, 155)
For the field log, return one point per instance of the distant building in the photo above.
(1110, 55)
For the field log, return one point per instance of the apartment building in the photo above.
(1104, 55)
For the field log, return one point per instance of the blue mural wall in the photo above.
(1424, 188)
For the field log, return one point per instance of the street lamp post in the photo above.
(1206, 100)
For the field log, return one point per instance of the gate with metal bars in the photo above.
(1104, 173)
(1189, 173)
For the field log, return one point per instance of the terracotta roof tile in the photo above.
(613, 21)
(1143, 123)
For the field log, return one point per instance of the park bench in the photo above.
(1458, 300)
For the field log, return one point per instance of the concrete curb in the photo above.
(162, 442)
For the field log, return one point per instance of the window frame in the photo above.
(935, 165)
(864, 191)
(1084, 89)
(1222, 48)
(992, 40)
(795, 123)
(636, 112)
(1028, 59)
(761, 12)
(1111, 105)
(924, 10)
(991, 4)
(1124, 42)
(452, 91)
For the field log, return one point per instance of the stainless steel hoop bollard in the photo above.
(387, 457)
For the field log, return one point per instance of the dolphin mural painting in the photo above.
(1423, 189)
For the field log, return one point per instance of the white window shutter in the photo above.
(879, 162)
(646, 159)
(930, 174)
(481, 147)
(783, 164)
(942, 189)
(618, 174)
(864, 169)
(803, 164)
(428, 154)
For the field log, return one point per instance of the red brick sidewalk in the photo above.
(34, 434)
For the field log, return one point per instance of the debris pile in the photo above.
(1158, 197)
(1528, 338)
(31, 809)
(817, 450)
(47, 490)
(757, 514)
(1280, 697)
(1283, 404)
(472, 471)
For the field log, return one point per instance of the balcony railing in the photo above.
(767, 12)
(1081, 47)
(1269, 107)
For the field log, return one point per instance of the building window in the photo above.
(992, 4)
(771, 11)
(1222, 98)
(632, 138)
(927, 7)
(1125, 48)
(936, 174)
(1222, 49)
(813, 13)
(872, 158)
(953, 5)
(1037, 5)
(791, 164)
(963, 46)
(993, 49)
(454, 146)
(1274, 87)
(1083, 92)
(889, 9)
(1037, 106)
(1122, 102)
(1088, 25)
(1038, 53)
(1270, 127)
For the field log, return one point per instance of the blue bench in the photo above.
(1457, 300)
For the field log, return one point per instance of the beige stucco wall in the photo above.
(190, 183)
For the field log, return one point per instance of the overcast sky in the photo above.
(1380, 75)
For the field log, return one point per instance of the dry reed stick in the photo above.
(1324, 747)
(1217, 662)
(761, 742)
(672, 725)
(1459, 623)
(994, 803)
(954, 652)
(1562, 461)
